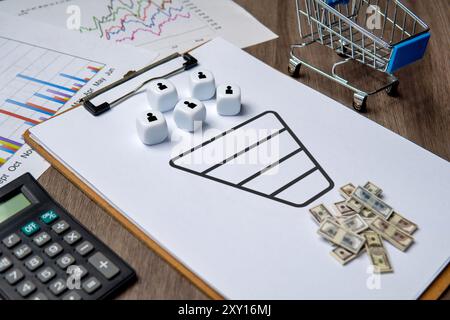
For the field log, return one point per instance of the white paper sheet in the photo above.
(246, 245)
(163, 25)
(44, 71)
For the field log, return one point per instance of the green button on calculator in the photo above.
(30, 228)
(49, 217)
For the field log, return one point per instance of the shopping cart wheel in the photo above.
(342, 49)
(294, 69)
(392, 90)
(360, 102)
(343, 53)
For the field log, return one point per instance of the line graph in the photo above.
(148, 27)
(36, 83)
(143, 21)
(163, 26)
(140, 16)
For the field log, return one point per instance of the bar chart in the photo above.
(35, 84)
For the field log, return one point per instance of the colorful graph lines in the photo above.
(18, 114)
(9, 146)
(125, 20)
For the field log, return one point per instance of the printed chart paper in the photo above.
(44, 71)
(160, 25)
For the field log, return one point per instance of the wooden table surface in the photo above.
(421, 114)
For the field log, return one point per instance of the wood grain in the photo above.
(421, 114)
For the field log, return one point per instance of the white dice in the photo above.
(228, 100)
(162, 95)
(189, 114)
(152, 127)
(202, 84)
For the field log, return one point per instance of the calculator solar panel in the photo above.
(46, 254)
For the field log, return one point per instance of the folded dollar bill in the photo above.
(372, 188)
(371, 201)
(343, 209)
(340, 236)
(347, 190)
(320, 213)
(402, 223)
(377, 253)
(391, 233)
(354, 223)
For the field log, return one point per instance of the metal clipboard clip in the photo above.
(97, 110)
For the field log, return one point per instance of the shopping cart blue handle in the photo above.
(335, 2)
(408, 52)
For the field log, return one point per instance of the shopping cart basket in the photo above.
(381, 34)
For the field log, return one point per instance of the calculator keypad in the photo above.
(45, 253)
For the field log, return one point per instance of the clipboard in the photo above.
(433, 292)
(300, 129)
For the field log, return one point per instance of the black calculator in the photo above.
(46, 254)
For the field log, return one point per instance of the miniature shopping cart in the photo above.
(381, 34)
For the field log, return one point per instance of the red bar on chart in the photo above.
(51, 112)
(94, 69)
(17, 116)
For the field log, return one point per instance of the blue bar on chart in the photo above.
(46, 83)
(32, 106)
(43, 91)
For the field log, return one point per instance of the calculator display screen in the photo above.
(12, 206)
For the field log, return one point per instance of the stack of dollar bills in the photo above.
(361, 223)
